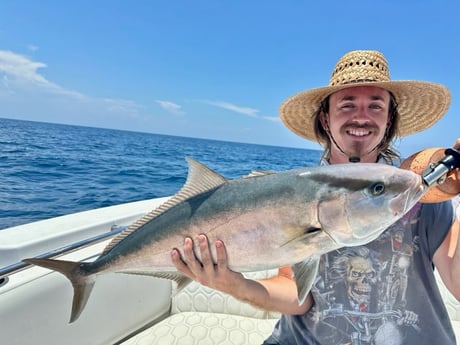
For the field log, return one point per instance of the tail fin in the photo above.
(82, 284)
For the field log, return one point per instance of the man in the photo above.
(385, 291)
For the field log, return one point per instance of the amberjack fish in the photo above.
(267, 221)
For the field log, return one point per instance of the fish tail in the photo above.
(82, 283)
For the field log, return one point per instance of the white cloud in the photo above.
(237, 109)
(272, 118)
(170, 106)
(23, 85)
(20, 67)
(241, 110)
(22, 72)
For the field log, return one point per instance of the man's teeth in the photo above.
(358, 132)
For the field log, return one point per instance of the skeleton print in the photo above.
(361, 293)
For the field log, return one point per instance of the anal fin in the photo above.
(181, 280)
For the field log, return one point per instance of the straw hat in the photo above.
(420, 104)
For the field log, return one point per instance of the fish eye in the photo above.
(377, 188)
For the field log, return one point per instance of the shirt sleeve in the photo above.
(437, 220)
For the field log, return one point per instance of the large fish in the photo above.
(268, 221)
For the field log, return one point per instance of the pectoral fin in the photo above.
(305, 273)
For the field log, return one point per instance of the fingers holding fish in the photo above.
(207, 263)
(219, 276)
(221, 255)
(181, 266)
(189, 265)
(190, 258)
(212, 273)
(202, 268)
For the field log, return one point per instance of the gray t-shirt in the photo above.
(382, 293)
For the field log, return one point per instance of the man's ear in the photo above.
(323, 118)
(390, 120)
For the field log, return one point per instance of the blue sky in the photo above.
(212, 69)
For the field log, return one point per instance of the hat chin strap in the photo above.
(351, 158)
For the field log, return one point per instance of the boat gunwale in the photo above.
(19, 266)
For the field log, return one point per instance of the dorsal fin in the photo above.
(200, 179)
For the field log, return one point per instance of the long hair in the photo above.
(385, 148)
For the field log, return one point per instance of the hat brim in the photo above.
(420, 105)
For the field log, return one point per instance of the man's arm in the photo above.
(278, 293)
(447, 256)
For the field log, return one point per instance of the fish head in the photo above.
(360, 201)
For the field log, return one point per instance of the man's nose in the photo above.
(361, 114)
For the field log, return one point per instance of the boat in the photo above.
(35, 303)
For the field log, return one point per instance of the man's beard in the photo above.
(358, 149)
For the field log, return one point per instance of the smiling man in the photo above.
(383, 292)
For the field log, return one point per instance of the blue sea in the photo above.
(47, 170)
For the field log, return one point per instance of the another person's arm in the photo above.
(447, 256)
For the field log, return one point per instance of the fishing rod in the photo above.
(439, 168)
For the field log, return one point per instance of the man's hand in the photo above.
(217, 276)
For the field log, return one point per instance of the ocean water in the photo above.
(47, 170)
